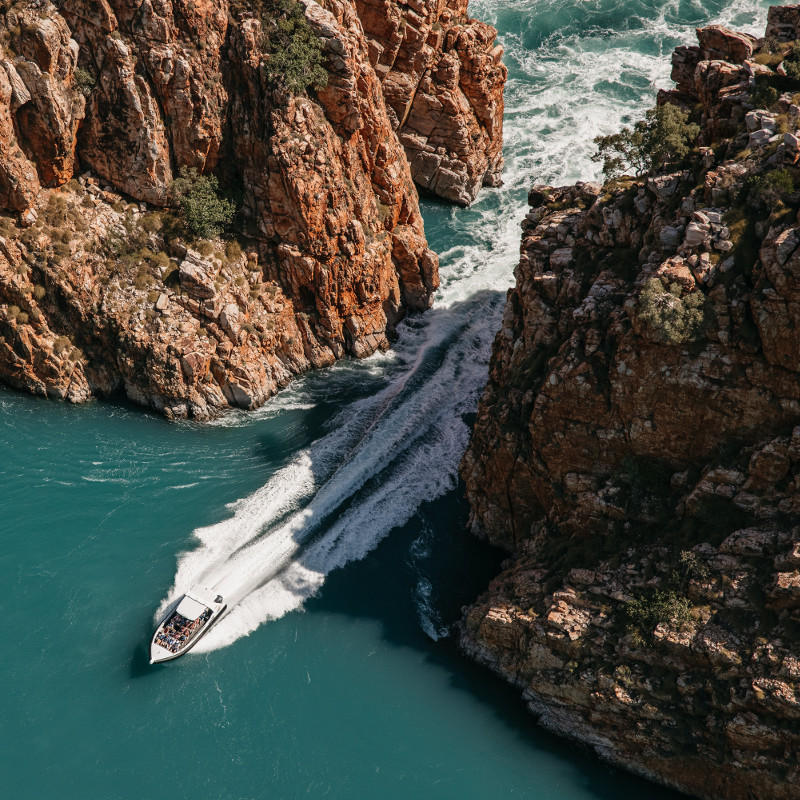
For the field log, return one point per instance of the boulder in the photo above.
(783, 22)
(720, 43)
(197, 276)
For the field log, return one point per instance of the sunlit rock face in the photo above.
(104, 104)
(442, 77)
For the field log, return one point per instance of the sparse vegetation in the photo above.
(8, 228)
(84, 80)
(668, 317)
(656, 607)
(764, 95)
(771, 189)
(206, 212)
(152, 222)
(662, 139)
(690, 567)
(61, 344)
(791, 61)
(233, 250)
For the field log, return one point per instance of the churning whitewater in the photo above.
(387, 453)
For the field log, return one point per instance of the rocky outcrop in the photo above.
(188, 335)
(128, 96)
(40, 106)
(443, 79)
(718, 43)
(783, 23)
(636, 449)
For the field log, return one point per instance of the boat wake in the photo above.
(384, 455)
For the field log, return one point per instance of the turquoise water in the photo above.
(332, 518)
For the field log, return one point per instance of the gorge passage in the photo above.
(314, 436)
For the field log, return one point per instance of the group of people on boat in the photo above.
(178, 630)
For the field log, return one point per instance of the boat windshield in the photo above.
(178, 631)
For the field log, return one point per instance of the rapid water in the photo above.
(107, 512)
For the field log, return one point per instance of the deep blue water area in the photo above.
(348, 698)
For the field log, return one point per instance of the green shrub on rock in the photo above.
(656, 607)
(292, 51)
(791, 61)
(771, 189)
(764, 95)
(206, 212)
(662, 139)
(667, 317)
(84, 80)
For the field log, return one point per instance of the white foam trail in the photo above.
(337, 500)
(385, 454)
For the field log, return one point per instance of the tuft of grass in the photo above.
(771, 60)
(233, 250)
(61, 344)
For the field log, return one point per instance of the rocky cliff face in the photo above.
(637, 447)
(442, 78)
(104, 103)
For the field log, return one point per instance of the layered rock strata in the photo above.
(125, 96)
(637, 447)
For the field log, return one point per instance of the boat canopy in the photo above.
(190, 608)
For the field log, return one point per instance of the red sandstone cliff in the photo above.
(644, 471)
(126, 94)
(442, 78)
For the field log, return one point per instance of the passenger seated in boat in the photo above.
(178, 630)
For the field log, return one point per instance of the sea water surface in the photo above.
(332, 521)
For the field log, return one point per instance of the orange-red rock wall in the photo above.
(130, 93)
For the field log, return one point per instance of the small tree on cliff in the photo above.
(206, 212)
(292, 51)
(664, 137)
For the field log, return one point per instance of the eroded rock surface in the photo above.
(442, 77)
(637, 448)
(130, 95)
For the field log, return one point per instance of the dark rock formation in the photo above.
(637, 448)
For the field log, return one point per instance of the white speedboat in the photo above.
(185, 624)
